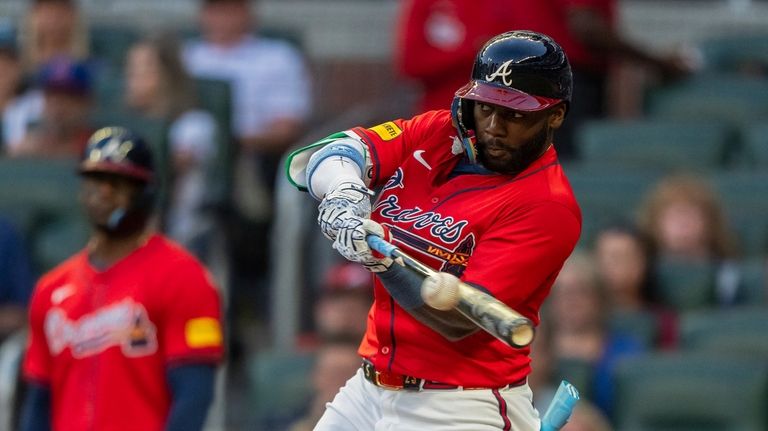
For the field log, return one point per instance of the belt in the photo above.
(396, 382)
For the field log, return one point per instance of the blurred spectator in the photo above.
(624, 264)
(63, 126)
(271, 102)
(341, 310)
(158, 87)
(52, 28)
(437, 41)
(587, 417)
(686, 221)
(10, 75)
(336, 360)
(579, 330)
(16, 281)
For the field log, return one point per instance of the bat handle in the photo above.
(560, 408)
(379, 244)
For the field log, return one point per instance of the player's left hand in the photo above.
(350, 243)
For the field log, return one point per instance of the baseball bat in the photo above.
(485, 311)
(560, 408)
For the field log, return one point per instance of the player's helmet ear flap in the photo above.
(119, 151)
(521, 70)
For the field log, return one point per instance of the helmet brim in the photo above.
(503, 96)
(104, 167)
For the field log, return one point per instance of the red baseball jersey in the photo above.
(103, 340)
(507, 234)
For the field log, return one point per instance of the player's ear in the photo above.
(557, 115)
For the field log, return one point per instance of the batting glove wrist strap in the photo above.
(347, 199)
(351, 243)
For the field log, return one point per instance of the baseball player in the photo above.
(125, 334)
(475, 191)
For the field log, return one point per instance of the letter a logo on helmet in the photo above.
(504, 72)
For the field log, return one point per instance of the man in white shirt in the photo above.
(271, 102)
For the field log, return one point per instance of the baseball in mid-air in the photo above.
(440, 291)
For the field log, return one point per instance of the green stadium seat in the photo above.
(215, 97)
(743, 194)
(739, 331)
(735, 100)
(39, 195)
(281, 385)
(607, 193)
(746, 54)
(659, 144)
(109, 44)
(643, 326)
(686, 285)
(55, 242)
(578, 372)
(685, 392)
(753, 285)
(756, 145)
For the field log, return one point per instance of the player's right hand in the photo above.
(344, 201)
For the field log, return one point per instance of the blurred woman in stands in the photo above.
(624, 264)
(580, 333)
(686, 221)
(52, 28)
(158, 87)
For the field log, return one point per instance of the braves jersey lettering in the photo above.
(445, 228)
(124, 324)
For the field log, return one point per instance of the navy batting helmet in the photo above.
(117, 150)
(521, 70)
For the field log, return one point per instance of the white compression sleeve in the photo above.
(341, 161)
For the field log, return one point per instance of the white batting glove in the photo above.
(351, 243)
(345, 200)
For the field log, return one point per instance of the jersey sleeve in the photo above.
(519, 258)
(390, 143)
(191, 329)
(36, 365)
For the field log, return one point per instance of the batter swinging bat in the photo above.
(484, 310)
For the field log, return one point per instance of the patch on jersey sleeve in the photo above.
(387, 131)
(203, 332)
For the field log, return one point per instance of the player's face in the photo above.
(508, 140)
(102, 194)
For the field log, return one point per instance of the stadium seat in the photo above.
(109, 44)
(281, 384)
(739, 331)
(578, 372)
(686, 285)
(684, 392)
(658, 144)
(38, 195)
(756, 145)
(741, 54)
(642, 326)
(722, 98)
(753, 284)
(608, 193)
(743, 194)
(215, 96)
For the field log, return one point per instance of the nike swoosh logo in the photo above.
(419, 158)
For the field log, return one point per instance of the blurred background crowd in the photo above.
(659, 317)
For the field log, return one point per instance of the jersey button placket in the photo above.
(435, 200)
(385, 350)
